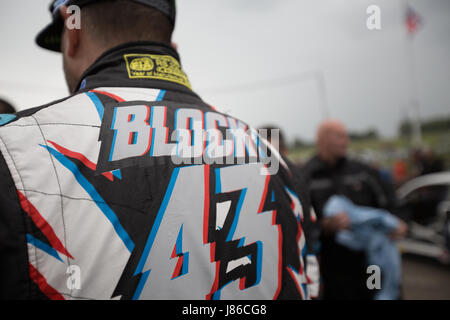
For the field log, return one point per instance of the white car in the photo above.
(425, 201)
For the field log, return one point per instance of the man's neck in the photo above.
(328, 159)
(115, 68)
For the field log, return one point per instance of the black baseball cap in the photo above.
(50, 37)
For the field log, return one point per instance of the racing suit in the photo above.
(134, 188)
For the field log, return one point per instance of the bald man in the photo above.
(328, 173)
(332, 141)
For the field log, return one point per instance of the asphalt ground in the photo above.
(425, 279)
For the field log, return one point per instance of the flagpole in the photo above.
(417, 140)
(320, 77)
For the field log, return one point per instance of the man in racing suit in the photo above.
(133, 187)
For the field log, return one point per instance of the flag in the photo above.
(412, 20)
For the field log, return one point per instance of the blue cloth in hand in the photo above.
(368, 232)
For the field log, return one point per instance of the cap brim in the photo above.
(50, 37)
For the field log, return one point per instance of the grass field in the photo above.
(385, 152)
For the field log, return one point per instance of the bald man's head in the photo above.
(332, 140)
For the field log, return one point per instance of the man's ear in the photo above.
(72, 34)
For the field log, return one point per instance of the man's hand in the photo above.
(400, 232)
(335, 223)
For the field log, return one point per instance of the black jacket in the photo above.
(343, 270)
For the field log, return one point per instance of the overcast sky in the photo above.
(226, 46)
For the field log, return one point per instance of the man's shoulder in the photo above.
(11, 119)
(356, 165)
(33, 127)
(312, 165)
